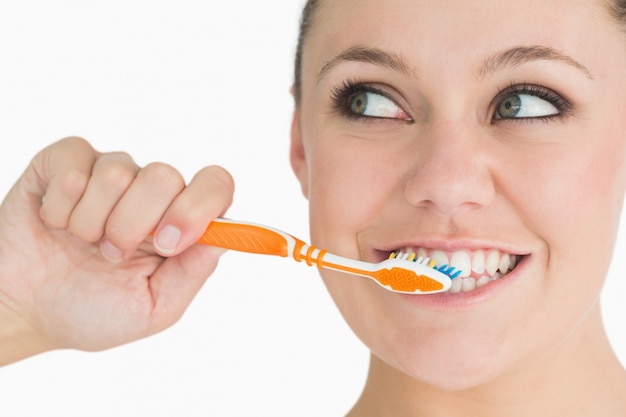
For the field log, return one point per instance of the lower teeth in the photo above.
(470, 284)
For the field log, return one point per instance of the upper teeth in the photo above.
(476, 267)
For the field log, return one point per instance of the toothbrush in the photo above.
(400, 273)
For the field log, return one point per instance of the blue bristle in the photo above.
(449, 271)
(455, 275)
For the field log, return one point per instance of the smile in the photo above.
(477, 268)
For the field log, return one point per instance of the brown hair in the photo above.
(305, 25)
(616, 9)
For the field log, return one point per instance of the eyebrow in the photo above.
(512, 57)
(519, 55)
(365, 54)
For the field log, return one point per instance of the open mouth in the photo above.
(475, 268)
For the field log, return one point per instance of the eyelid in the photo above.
(340, 94)
(548, 94)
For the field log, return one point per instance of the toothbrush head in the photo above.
(407, 273)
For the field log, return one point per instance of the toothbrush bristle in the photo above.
(450, 271)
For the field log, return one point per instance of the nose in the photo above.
(451, 174)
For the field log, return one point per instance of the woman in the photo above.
(482, 132)
(476, 129)
(499, 145)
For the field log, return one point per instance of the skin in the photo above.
(452, 177)
(84, 272)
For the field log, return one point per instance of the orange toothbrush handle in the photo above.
(248, 237)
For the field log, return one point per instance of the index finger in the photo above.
(208, 195)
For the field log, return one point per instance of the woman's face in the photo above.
(491, 132)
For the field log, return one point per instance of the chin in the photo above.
(452, 375)
(446, 347)
(452, 363)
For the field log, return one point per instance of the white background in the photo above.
(189, 83)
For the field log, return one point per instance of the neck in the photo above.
(581, 377)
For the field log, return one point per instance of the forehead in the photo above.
(447, 15)
(446, 29)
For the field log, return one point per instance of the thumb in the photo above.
(177, 281)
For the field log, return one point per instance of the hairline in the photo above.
(616, 10)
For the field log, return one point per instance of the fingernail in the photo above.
(110, 252)
(167, 240)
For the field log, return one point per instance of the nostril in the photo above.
(449, 201)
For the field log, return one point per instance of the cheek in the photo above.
(572, 198)
(589, 199)
(349, 186)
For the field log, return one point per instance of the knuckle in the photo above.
(73, 141)
(191, 215)
(72, 145)
(72, 184)
(117, 176)
(222, 177)
(62, 194)
(51, 218)
(163, 175)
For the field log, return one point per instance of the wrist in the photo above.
(18, 338)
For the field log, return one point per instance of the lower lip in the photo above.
(446, 301)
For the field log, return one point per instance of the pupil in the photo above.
(510, 107)
(359, 103)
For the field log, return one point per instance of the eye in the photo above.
(525, 106)
(529, 102)
(367, 102)
(374, 105)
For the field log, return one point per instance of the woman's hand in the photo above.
(78, 265)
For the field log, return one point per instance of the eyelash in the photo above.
(562, 105)
(340, 98)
